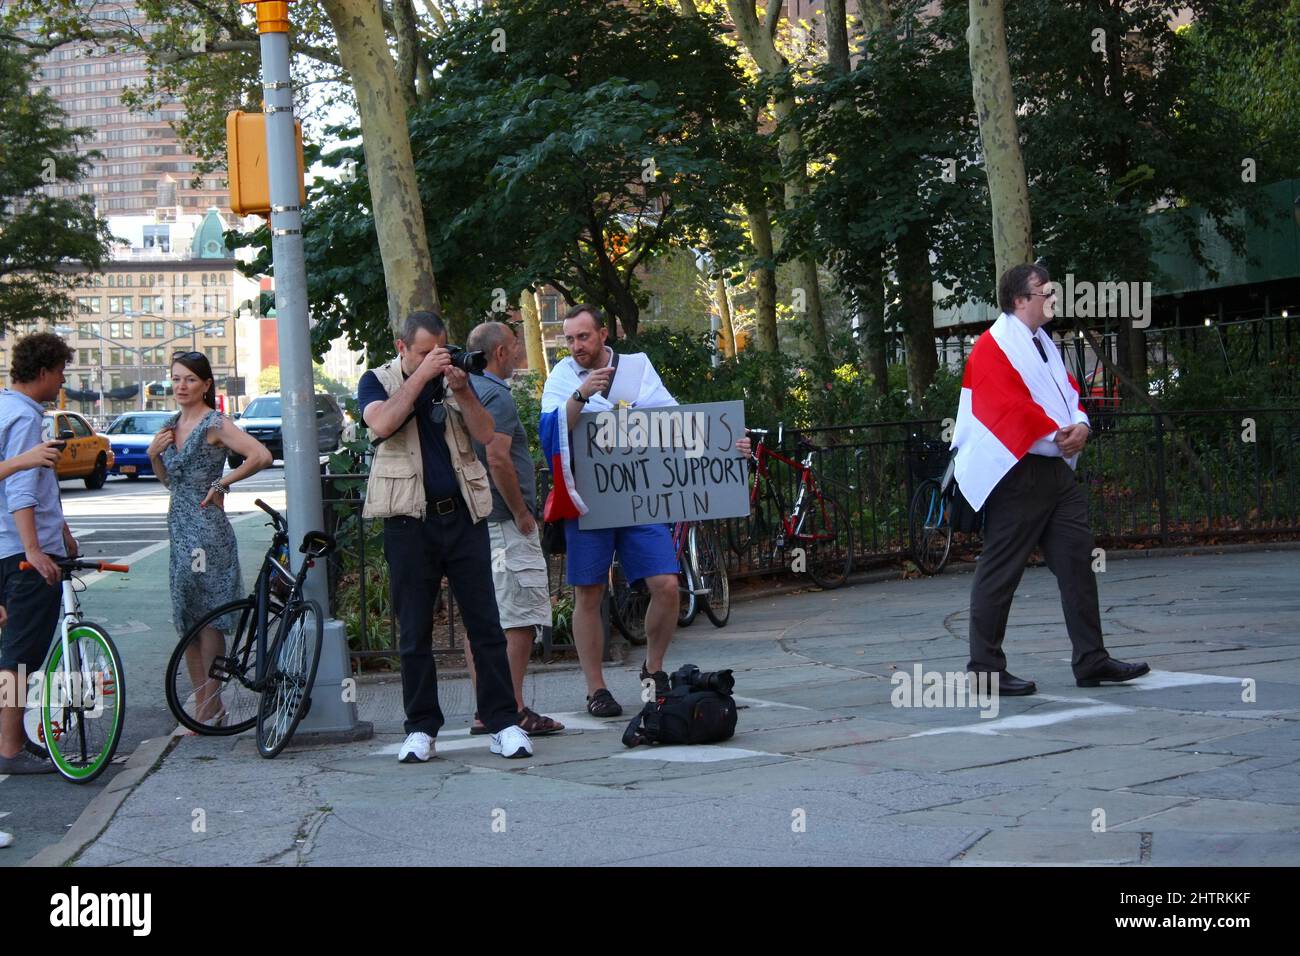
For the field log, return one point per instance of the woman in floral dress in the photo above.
(188, 456)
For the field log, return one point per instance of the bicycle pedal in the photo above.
(220, 669)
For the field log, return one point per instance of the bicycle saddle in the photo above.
(317, 544)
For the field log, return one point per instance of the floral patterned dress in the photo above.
(204, 553)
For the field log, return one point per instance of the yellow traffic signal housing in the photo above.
(250, 182)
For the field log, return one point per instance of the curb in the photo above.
(97, 816)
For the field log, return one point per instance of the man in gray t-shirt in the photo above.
(518, 565)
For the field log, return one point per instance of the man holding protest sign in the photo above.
(595, 378)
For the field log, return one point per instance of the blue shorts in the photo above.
(643, 550)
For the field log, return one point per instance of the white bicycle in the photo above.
(77, 702)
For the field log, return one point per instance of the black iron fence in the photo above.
(1170, 478)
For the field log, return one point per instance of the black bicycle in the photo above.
(222, 679)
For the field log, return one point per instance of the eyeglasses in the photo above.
(188, 356)
(1045, 295)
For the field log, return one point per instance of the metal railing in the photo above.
(1170, 478)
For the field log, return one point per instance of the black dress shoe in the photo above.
(1010, 685)
(1112, 671)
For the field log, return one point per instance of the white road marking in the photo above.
(993, 728)
(700, 753)
(768, 703)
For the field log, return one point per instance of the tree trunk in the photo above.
(837, 36)
(394, 194)
(758, 40)
(760, 228)
(915, 285)
(727, 340)
(871, 306)
(532, 317)
(995, 106)
(408, 47)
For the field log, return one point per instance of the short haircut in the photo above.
(487, 336)
(37, 352)
(597, 315)
(428, 320)
(1015, 283)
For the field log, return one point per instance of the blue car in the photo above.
(129, 436)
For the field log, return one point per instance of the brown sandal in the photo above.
(535, 725)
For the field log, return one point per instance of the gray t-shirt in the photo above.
(496, 398)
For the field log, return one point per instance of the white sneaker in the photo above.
(512, 742)
(417, 749)
(5, 839)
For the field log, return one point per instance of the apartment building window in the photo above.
(151, 303)
(216, 330)
(217, 355)
(119, 330)
(117, 304)
(87, 357)
(115, 357)
(158, 237)
(181, 304)
(87, 305)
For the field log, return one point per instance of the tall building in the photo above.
(143, 165)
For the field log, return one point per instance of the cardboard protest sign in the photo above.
(660, 465)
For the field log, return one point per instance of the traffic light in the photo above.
(250, 182)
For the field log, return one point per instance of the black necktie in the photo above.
(1039, 345)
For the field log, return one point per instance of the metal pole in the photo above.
(334, 711)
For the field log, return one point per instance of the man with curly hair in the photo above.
(32, 529)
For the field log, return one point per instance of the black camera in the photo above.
(471, 363)
(692, 678)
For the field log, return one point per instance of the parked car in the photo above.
(262, 420)
(130, 434)
(87, 454)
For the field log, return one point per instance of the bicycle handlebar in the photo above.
(275, 515)
(77, 564)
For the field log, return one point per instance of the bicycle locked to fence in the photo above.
(75, 714)
(702, 581)
(929, 520)
(816, 524)
(253, 661)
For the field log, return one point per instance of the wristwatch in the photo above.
(579, 397)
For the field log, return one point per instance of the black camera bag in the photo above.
(684, 716)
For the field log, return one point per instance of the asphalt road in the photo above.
(124, 522)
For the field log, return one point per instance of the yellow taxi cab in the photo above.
(87, 454)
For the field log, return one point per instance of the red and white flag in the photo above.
(1011, 400)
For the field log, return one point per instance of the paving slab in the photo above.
(823, 769)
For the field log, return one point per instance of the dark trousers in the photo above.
(1037, 503)
(419, 553)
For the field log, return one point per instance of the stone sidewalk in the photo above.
(1197, 764)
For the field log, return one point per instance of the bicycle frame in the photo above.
(792, 524)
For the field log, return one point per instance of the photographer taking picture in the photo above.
(432, 491)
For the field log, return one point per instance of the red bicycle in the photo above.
(815, 529)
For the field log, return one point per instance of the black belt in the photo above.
(442, 506)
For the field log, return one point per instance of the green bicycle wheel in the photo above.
(82, 710)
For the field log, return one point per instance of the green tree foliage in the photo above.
(40, 234)
(565, 144)
(1247, 60)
